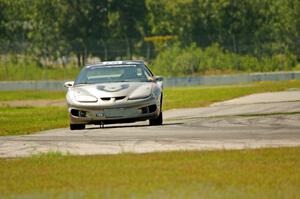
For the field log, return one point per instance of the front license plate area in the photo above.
(114, 112)
(121, 112)
(100, 114)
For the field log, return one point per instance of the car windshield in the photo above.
(114, 73)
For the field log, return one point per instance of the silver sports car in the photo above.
(115, 92)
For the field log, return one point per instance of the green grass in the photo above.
(263, 173)
(13, 72)
(25, 120)
(31, 95)
(197, 96)
(15, 121)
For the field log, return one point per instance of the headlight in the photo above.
(85, 98)
(136, 97)
(141, 92)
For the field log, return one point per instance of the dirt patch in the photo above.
(34, 103)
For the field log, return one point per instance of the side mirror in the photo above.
(69, 84)
(159, 81)
(159, 78)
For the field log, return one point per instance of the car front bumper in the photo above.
(126, 111)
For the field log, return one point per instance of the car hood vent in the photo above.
(112, 88)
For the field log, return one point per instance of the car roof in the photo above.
(109, 63)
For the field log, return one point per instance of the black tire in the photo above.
(156, 121)
(77, 126)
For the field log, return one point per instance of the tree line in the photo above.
(53, 29)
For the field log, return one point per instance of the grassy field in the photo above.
(33, 119)
(263, 173)
(25, 120)
(14, 72)
(183, 97)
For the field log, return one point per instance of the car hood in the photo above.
(118, 89)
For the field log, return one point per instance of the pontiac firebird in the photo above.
(114, 92)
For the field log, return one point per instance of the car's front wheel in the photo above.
(156, 121)
(77, 126)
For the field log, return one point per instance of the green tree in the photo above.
(127, 22)
(84, 24)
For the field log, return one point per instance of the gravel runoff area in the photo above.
(258, 120)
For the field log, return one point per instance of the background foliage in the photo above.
(178, 37)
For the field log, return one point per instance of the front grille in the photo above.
(109, 98)
(105, 98)
(120, 98)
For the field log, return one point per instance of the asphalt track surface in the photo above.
(259, 120)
